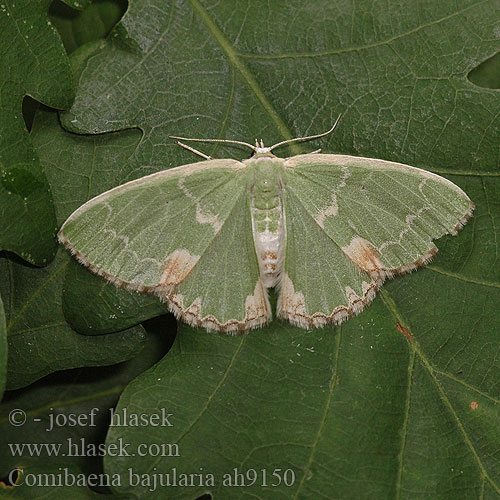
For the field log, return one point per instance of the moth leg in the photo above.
(195, 151)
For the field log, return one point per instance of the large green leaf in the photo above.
(398, 402)
(409, 107)
(364, 413)
(32, 62)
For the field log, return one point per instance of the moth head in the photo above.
(260, 150)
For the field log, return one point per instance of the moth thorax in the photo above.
(267, 224)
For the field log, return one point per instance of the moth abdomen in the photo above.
(267, 225)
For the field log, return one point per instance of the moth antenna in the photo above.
(307, 138)
(195, 151)
(224, 141)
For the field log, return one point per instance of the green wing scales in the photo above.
(182, 234)
(353, 222)
(187, 235)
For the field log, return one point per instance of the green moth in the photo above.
(210, 238)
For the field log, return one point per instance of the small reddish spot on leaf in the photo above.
(473, 405)
(400, 328)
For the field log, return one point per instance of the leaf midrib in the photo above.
(248, 77)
